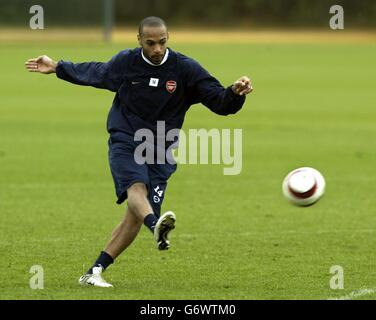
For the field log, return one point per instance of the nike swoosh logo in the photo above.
(136, 82)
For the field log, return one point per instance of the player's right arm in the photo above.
(105, 75)
(42, 64)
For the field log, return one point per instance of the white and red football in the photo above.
(303, 186)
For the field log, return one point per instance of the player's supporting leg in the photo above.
(124, 234)
(139, 211)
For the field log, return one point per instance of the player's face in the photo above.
(154, 43)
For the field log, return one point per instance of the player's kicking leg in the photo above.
(159, 226)
(164, 225)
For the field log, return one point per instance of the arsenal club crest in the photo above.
(171, 86)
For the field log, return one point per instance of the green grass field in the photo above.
(236, 236)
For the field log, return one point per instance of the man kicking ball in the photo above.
(153, 83)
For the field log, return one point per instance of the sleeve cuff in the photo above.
(59, 70)
(235, 96)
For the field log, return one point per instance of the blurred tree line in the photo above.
(56, 13)
(195, 13)
(246, 13)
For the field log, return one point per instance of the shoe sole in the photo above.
(168, 224)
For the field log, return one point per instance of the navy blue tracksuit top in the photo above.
(146, 94)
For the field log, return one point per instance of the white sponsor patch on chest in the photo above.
(153, 82)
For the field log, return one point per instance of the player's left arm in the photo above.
(242, 86)
(221, 100)
(205, 88)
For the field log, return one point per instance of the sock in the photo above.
(150, 221)
(104, 260)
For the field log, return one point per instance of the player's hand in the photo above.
(242, 86)
(42, 64)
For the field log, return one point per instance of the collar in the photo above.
(151, 63)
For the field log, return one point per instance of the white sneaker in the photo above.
(165, 224)
(94, 279)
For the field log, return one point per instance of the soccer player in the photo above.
(153, 83)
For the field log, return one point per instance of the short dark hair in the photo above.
(150, 22)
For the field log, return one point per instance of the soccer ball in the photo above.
(303, 186)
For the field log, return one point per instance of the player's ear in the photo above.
(139, 39)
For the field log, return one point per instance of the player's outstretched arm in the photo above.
(42, 64)
(242, 86)
(105, 75)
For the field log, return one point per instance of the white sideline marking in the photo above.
(355, 294)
